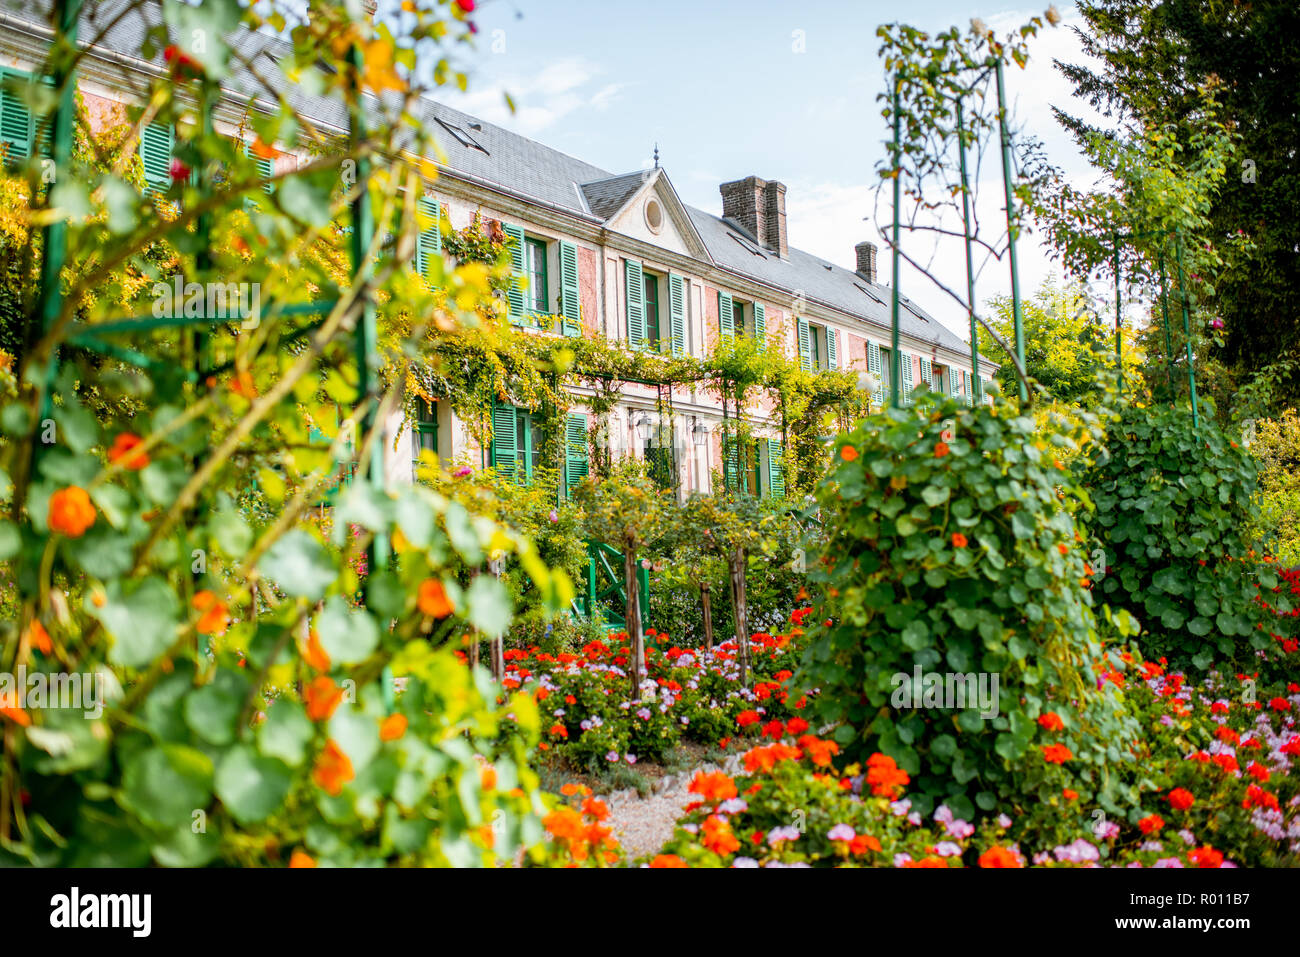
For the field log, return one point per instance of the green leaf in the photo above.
(251, 787)
(347, 635)
(490, 608)
(300, 565)
(143, 623)
(164, 785)
(286, 732)
(212, 711)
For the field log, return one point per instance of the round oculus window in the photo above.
(654, 215)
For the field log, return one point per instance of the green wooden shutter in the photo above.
(17, 126)
(876, 367)
(805, 344)
(677, 313)
(265, 166)
(775, 469)
(515, 295)
(730, 476)
(905, 361)
(156, 143)
(575, 452)
(832, 348)
(570, 301)
(634, 289)
(760, 324)
(428, 242)
(505, 443)
(927, 372)
(726, 324)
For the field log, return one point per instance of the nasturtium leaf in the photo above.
(251, 787)
(490, 608)
(286, 732)
(166, 784)
(300, 565)
(347, 635)
(142, 623)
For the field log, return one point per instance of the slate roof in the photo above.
(532, 170)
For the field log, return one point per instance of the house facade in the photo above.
(616, 255)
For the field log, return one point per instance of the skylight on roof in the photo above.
(867, 292)
(753, 250)
(461, 137)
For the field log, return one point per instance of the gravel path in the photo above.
(643, 825)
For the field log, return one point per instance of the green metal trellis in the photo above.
(49, 293)
(996, 64)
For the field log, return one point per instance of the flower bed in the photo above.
(1217, 771)
(589, 720)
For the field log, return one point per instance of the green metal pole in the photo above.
(970, 269)
(895, 365)
(1017, 312)
(54, 237)
(1187, 331)
(1164, 309)
(1119, 316)
(203, 258)
(366, 341)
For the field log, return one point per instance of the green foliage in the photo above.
(949, 550)
(1065, 343)
(1277, 448)
(1149, 63)
(1174, 504)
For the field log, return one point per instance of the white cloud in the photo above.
(541, 99)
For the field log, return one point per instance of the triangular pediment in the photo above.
(645, 206)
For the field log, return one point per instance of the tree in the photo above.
(1065, 341)
(1157, 57)
(732, 526)
(626, 509)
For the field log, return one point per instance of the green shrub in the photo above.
(1174, 504)
(949, 551)
(1277, 447)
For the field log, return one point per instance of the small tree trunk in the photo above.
(736, 565)
(633, 618)
(473, 651)
(497, 647)
(708, 619)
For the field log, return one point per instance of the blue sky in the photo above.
(729, 88)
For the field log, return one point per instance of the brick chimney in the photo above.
(759, 206)
(866, 261)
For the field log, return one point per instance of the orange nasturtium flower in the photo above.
(216, 616)
(487, 777)
(301, 858)
(39, 638)
(959, 540)
(333, 769)
(322, 696)
(849, 453)
(565, 823)
(242, 385)
(668, 860)
(393, 727)
(124, 452)
(71, 512)
(9, 709)
(433, 600)
(940, 449)
(314, 654)
(1056, 753)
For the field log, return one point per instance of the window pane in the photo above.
(738, 318)
(651, 284)
(535, 253)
